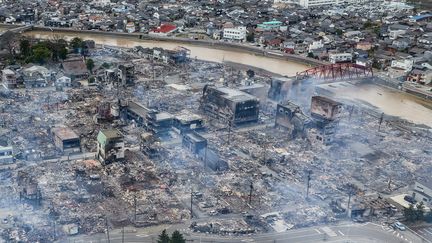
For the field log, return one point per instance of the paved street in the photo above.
(353, 233)
(425, 233)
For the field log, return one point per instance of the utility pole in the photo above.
(309, 172)
(351, 112)
(205, 157)
(250, 192)
(191, 197)
(107, 229)
(229, 132)
(381, 121)
(135, 207)
(123, 234)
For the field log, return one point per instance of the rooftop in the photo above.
(235, 95)
(110, 133)
(64, 133)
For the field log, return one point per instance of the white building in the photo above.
(422, 191)
(394, 34)
(316, 45)
(6, 155)
(340, 57)
(101, 3)
(404, 64)
(314, 3)
(237, 33)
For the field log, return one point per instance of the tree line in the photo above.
(176, 237)
(413, 214)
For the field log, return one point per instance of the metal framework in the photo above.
(336, 71)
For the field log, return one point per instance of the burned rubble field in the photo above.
(256, 170)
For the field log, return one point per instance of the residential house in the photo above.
(420, 76)
(75, 68)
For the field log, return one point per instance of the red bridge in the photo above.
(336, 71)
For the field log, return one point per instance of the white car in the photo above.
(399, 226)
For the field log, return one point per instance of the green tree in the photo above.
(410, 213)
(420, 211)
(310, 55)
(91, 80)
(250, 37)
(76, 44)
(25, 48)
(428, 217)
(106, 65)
(177, 237)
(339, 32)
(90, 65)
(63, 53)
(41, 54)
(163, 237)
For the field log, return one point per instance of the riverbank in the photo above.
(221, 45)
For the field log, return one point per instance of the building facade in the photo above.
(110, 146)
(315, 3)
(233, 106)
(238, 33)
(340, 57)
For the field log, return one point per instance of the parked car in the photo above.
(410, 199)
(399, 225)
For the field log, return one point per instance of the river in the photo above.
(282, 67)
(389, 101)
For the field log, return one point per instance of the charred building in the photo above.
(126, 73)
(150, 145)
(194, 142)
(289, 116)
(230, 105)
(325, 108)
(66, 140)
(326, 113)
(186, 121)
(110, 146)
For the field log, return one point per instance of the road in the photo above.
(353, 233)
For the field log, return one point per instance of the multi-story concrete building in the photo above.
(422, 191)
(340, 57)
(66, 140)
(315, 3)
(230, 105)
(110, 146)
(237, 33)
(325, 108)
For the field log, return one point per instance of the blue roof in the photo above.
(420, 17)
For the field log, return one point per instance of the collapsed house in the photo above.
(289, 116)
(126, 73)
(320, 127)
(150, 145)
(230, 105)
(110, 146)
